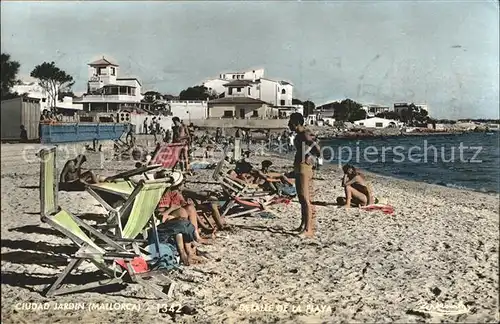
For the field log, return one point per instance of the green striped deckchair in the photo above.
(104, 255)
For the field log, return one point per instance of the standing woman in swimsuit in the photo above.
(306, 149)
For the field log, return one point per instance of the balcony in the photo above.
(109, 98)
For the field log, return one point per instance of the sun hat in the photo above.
(177, 178)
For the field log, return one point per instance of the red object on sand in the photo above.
(168, 155)
(138, 263)
(387, 209)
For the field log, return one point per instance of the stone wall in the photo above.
(242, 123)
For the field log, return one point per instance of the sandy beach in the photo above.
(438, 251)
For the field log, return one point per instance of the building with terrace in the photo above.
(108, 92)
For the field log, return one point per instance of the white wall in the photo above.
(216, 84)
(288, 96)
(372, 122)
(34, 90)
(268, 91)
(138, 121)
(245, 75)
(186, 110)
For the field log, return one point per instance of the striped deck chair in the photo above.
(114, 192)
(241, 199)
(105, 255)
(139, 204)
(168, 155)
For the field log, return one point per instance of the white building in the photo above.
(403, 106)
(188, 110)
(107, 92)
(35, 91)
(253, 84)
(373, 110)
(377, 122)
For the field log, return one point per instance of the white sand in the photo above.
(440, 246)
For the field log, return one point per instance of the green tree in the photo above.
(346, 110)
(152, 96)
(296, 101)
(53, 80)
(63, 94)
(9, 74)
(197, 93)
(389, 115)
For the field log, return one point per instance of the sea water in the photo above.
(467, 161)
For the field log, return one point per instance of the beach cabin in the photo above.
(20, 111)
(377, 122)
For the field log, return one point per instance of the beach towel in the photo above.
(386, 209)
(286, 190)
(201, 165)
(138, 264)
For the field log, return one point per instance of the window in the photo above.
(230, 90)
(379, 125)
(248, 90)
(44, 99)
(283, 91)
(238, 89)
(361, 124)
(228, 113)
(113, 71)
(233, 76)
(282, 102)
(255, 113)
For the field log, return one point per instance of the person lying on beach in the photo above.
(208, 203)
(72, 173)
(244, 173)
(357, 190)
(182, 234)
(174, 206)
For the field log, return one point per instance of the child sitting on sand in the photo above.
(357, 190)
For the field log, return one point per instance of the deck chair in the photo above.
(140, 201)
(168, 155)
(104, 255)
(239, 196)
(115, 190)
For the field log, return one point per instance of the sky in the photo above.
(442, 53)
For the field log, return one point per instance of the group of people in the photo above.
(357, 191)
(307, 151)
(49, 117)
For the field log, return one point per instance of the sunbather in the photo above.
(208, 203)
(173, 206)
(72, 173)
(182, 234)
(245, 173)
(357, 190)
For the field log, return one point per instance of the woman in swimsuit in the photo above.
(357, 190)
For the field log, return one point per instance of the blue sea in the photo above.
(468, 161)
